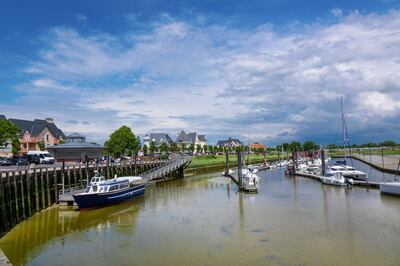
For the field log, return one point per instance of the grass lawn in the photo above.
(199, 161)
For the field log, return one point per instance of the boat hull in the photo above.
(390, 188)
(98, 200)
(333, 182)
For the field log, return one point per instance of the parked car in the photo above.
(5, 161)
(45, 157)
(16, 160)
(33, 158)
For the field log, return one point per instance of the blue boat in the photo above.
(101, 192)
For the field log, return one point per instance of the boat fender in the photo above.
(351, 181)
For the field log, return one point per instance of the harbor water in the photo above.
(203, 220)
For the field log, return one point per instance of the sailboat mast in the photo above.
(343, 129)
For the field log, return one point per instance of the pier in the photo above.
(358, 183)
(25, 192)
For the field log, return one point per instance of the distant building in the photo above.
(158, 138)
(191, 138)
(33, 132)
(257, 146)
(229, 143)
(75, 137)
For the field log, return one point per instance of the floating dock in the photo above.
(359, 183)
(3, 259)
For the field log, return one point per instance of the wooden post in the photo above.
(16, 197)
(75, 177)
(28, 191)
(265, 158)
(22, 194)
(9, 200)
(240, 170)
(69, 177)
(37, 208)
(42, 189)
(63, 177)
(383, 164)
(227, 164)
(48, 188)
(55, 177)
(3, 215)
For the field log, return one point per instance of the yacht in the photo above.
(335, 179)
(390, 188)
(349, 172)
(101, 192)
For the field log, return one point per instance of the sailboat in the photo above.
(342, 174)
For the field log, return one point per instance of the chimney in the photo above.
(49, 120)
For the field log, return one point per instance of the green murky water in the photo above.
(202, 220)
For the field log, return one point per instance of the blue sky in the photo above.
(271, 70)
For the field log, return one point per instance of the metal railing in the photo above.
(167, 168)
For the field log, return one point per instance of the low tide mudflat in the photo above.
(202, 220)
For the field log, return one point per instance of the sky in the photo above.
(272, 71)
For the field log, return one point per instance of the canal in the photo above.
(203, 220)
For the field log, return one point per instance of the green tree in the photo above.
(122, 142)
(9, 132)
(295, 146)
(285, 146)
(145, 150)
(388, 143)
(310, 145)
(198, 148)
(211, 149)
(191, 148)
(174, 147)
(41, 145)
(164, 148)
(153, 147)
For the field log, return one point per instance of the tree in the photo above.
(153, 147)
(285, 146)
(41, 145)
(122, 142)
(9, 133)
(174, 147)
(211, 149)
(205, 149)
(145, 150)
(164, 147)
(191, 148)
(295, 146)
(310, 145)
(198, 148)
(388, 143)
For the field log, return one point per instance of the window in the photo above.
(47, 137)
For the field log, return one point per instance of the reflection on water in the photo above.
(203, 220)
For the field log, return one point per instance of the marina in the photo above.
(290, 221)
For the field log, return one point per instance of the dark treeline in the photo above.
(310, 145)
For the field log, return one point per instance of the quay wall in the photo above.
(25, 192)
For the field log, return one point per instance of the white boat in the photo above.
(230, 172)
(250, 179)
(335, 179)
(349, 172)
(390, 188)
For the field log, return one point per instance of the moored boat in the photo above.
(102, 192)
(390, 188)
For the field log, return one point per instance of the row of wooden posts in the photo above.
(25, 192)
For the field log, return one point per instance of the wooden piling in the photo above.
(16, 197)
(36, 192)
(48, 188)
(22, 194)
(240, 170)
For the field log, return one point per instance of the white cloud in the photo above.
(221, 80)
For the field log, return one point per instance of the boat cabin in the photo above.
(107, 186)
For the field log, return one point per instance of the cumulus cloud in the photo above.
(226, 81)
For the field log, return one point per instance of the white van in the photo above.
(45, 157)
